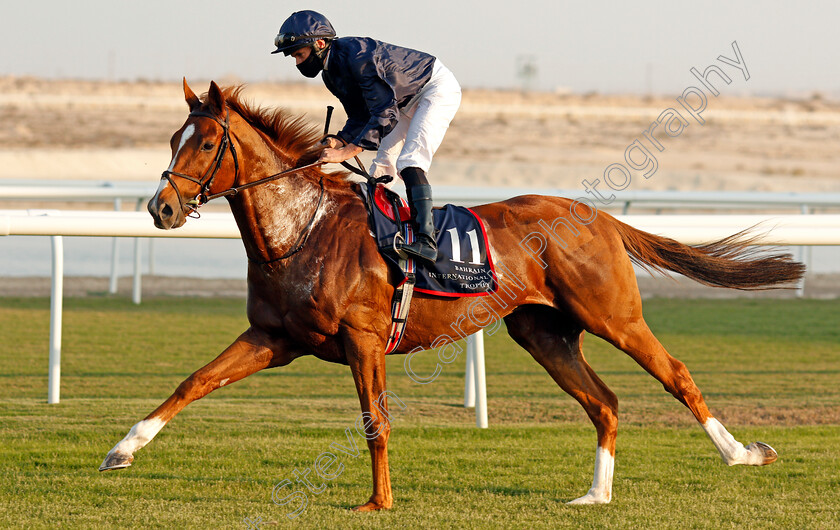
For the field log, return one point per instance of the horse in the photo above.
(318, 285)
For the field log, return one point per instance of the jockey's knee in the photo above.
(414, 176)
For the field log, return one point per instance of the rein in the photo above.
(236, 189)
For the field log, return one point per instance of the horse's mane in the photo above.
(293, 135)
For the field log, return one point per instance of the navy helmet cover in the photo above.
(302, 28)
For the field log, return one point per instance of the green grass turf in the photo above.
(769, 369)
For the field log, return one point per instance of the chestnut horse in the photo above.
(317, 284)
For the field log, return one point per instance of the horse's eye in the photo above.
(207, 146)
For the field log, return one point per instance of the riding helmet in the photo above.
(301, 29)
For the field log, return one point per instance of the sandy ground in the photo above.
(120, 131)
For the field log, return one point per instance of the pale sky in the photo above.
(584, 46)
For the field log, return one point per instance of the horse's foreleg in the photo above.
(368, 366)
(250, 353)
(556, 345)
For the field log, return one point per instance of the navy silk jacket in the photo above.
(373, 80)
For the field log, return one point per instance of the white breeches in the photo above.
(421, 126)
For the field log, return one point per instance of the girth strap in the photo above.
(401, 301)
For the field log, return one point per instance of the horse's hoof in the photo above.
(591, 498)
(371, 506)
(116, 461)
(766, 454)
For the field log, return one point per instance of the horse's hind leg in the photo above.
(638, 341)
(250, 353)
(556, 344)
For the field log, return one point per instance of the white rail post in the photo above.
(56, 305)
(136, 284)
(480, 382)
(804, 257)
(469, 374)
(151, 246)
(115, 255)
(138, 273)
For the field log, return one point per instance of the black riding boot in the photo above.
(420, 200)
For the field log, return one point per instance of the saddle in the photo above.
(464, 266)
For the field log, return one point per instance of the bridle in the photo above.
(204, 181)
(204, 196)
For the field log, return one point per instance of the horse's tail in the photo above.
(730, 262)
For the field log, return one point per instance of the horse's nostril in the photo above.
(166, 211)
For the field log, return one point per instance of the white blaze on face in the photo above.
(186, 135)
(139, 435)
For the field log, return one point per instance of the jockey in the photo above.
(399, 103)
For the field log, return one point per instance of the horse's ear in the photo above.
(190, 97)
(215, 99)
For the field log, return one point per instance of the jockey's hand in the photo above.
(332, 143)
(333, 156)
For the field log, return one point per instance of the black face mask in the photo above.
(311, 66)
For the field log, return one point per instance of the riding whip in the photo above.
(330, 109)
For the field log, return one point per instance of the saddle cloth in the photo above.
(464, 266)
